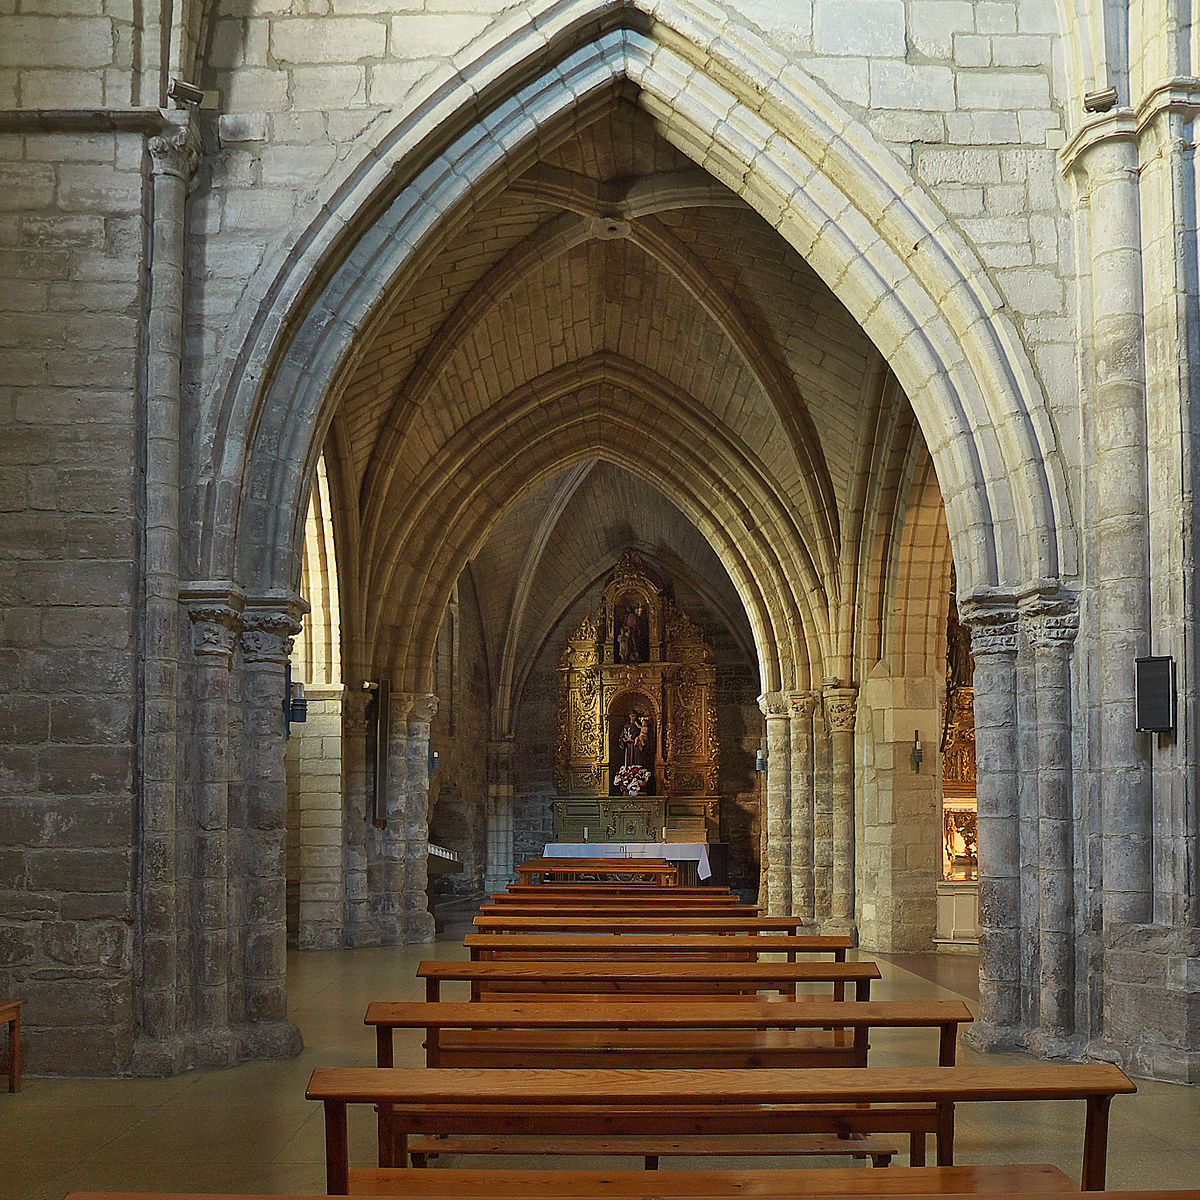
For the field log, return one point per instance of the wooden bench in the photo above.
(678, 946)
(703, 891)
(10, 1012)
(498, 921)
(630, 906)
(657, 869)
(468, 1034)
(525, 979)
(1000, 1182)
(665, 898)
(645, 1103)
(678, 1033)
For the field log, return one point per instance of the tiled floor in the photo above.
(251, 1130)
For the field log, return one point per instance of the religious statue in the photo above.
(637, 745)
(631, 635)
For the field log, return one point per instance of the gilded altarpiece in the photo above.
(637, 756)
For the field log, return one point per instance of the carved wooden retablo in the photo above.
(637, 718)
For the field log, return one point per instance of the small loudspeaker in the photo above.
(1154, 694)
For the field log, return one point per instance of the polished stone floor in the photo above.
(251, 1130)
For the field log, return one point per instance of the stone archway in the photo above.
(913, 285)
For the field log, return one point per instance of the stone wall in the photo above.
(70, 511)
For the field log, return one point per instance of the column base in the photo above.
(269, 1039)
(993, 1039)
(1053, 1044)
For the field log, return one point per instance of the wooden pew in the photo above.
(628, 906)
(646, 979)
(10, 1013)
(657, 1103)
(656, 869)
(677, 946)
(673, 1034)
(494, 920)
(1000, 1182)
(703, 891)
(466, 1034)
(667, 899)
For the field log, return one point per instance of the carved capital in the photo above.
(401, 704)
(175, 151)
(803, 705)
(268, 634)
(994, 626)
(1051, 619)
(774, 704)
(424, 706)
(215, 611)
(841, 708)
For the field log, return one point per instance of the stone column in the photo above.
(822, 822)
(418, 921)
(803, 800)
(776, 820)
(1051, 622)
(994, 637)
(498, 872)
(270, 626)
(216, 615)
(393, 838)
(359, 928)
(840, 707)
(172, 158)
(1104, 157)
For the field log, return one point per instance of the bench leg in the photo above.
(651, 1162)
(916, 1149)
(945, 1134)
(881, 1160)
(14, 1052)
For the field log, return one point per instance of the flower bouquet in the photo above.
(631, 779)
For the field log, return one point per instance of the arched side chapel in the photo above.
(581, 147)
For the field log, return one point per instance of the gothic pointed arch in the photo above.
(855, 214)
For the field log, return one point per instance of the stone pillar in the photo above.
(157, 1050)
(994, 636)
(1104, 158)
(359, 928)
(803, 800)
(216, 615)
(1051, 622)
(393, 838)
(321, 897)
(840, 706)
(776, 819)
(498, 872)
(270, 626)
(418, 921)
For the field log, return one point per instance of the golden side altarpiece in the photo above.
(637, 754)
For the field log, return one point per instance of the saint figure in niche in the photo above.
(636, 741)
(632, 635)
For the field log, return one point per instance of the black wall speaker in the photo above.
(1154, 694)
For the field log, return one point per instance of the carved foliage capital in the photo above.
(803, 704)
(215, 630)
(175, 151)
(774, 704)
(841, 707)
(268, 635)
(424, 707)
(994, 627)
(1051, 622)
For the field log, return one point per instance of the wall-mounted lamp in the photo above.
(760, 760)
(918, 756)
(295, 707)
(434, 759)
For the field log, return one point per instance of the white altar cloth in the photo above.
(696, 852)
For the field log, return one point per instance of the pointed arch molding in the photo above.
(844, 202)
